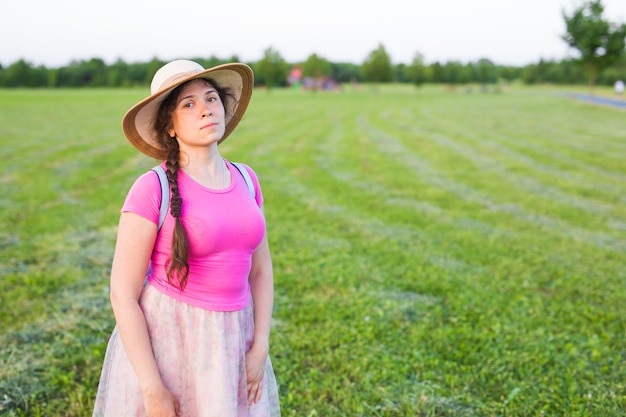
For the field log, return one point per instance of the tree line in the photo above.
(599, 43)
(273, 71)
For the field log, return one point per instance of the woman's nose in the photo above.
(206, 111)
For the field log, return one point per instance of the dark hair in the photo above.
(178, 264)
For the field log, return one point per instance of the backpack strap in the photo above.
(165, 194)
(246, 176)
(165, 188)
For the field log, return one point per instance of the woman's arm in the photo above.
(135, 241)
(262, 289)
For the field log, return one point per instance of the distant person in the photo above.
(194, 341)
(619, 88)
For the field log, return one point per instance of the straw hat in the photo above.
(137, 122)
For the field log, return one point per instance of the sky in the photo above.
(508, 32)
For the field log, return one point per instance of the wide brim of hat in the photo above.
(137, 122)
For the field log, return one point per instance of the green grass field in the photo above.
(435, 253)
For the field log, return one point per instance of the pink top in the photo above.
(224, 228)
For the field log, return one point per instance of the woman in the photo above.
(194, 340)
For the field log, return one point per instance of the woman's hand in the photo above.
(255, 370)
(160, 402)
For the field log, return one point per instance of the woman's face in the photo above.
(198, 117)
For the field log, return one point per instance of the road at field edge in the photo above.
(613, 102)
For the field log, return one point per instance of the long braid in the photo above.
(178, 265)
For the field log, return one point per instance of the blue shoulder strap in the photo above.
(165, 194)
(246, 177)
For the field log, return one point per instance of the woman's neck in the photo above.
(208, 169)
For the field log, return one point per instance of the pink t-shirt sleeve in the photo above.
(144, 197)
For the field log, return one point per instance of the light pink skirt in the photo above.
(201, 357)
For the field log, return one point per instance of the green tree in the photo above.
(399, 73)
(118, 74)
(486, 72)
(213, 61)
(316, 67)
(52, 76)
(510, 73)
(436, 69)
(615, 72)
(417, 71)
(271, 70)
(454, 73)
(344, 72)
(599, 42)
(22, 74)
(95, 72)
(377, 67)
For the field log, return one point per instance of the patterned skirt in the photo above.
(201, 358)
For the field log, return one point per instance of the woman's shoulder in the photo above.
(144, 196)
(244, 169)
(145, 184)
(148, 179)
